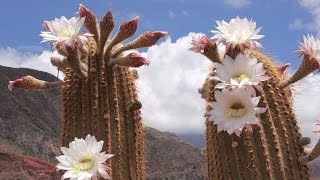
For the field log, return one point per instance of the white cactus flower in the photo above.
(242, 71)
(83, 160)
(310, 47)
(64, 32)
(234, 109)
(241, 32)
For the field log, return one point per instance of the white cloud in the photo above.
(238, 3)
(169, 87)
(307, 105)
(313, 6)
(173, 14)
(297, 24)
(12, 58)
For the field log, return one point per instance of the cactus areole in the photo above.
(251, 130)
(98, 93)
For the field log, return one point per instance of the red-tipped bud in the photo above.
(127, 29)
(151, 37)
(90, 21)
(26, 82)
(85, 12)
(45, 26)
(281, 69)
(131, 60)
(107, 21)
(199, 44)
(136, 60)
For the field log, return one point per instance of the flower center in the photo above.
(85, 164)
(237, 110)
(241, 78)
(64, 33)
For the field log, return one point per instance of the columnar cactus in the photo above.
(98, 94)
(251, 130)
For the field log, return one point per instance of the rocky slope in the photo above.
(29, 125)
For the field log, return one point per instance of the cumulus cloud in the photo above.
(169, 87)
(313, 6)
(237, 3)
(307, 105)
(12, 58)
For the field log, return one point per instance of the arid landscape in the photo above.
(30, 122)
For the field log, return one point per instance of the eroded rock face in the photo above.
(13, 166)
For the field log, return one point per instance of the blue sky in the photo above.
(168, 87)
(22, 20)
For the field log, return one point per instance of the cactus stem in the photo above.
(312, 155)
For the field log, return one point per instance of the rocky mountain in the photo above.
(198, 140)
(29, 133)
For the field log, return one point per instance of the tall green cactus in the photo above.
(273, 148)
(99, 95)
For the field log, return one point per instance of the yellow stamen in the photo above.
(85, 164)
(64, 33)
(241, 77)
(237, 110)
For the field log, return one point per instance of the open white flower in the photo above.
(234, 109)
(63, 32)
(310, 47)
(242, 71)
(83, 160)
(241, 32)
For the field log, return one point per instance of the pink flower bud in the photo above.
(136, 60)
(90, 21)
(26, 82)
(127, 29)
(45, 26)
(153, 36)
(199, 44)
(85, 12)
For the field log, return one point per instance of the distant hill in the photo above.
(198, 140)
(30, 124)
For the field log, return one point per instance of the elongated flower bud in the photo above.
(126, 30)
(130, 60)
(90, 20)
(32, 83)
(106, 26)
(147, 39)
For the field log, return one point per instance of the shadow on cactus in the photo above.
(251, 130)
(98, 93)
